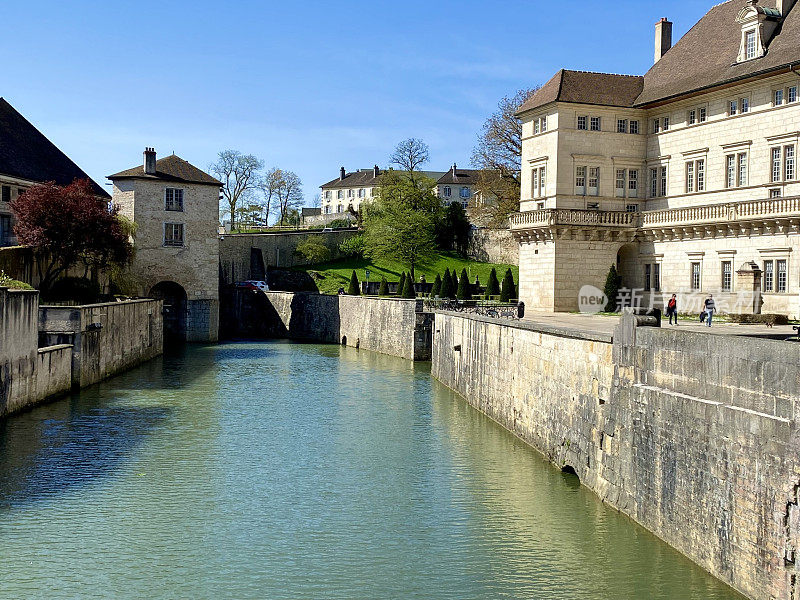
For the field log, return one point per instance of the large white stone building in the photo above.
(685, 178)
(27, 157)
(175, 207)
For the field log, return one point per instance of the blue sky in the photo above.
(306, 86)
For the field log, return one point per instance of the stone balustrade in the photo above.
(580, 218)
(772, 208)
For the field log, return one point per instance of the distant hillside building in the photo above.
(686, 178)
(458, 185)
(27, 157)
(349, 190)
(175, 206)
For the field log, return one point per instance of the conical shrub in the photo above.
(437, 286)
(455, 281)
(463, 292)
(493, 285)
(383, 290)
(447, 290)
(408, 288)
(354, 289)
(400, 285)
(508, 291)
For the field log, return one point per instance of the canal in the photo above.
(285, 471)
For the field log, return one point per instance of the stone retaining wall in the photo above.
(386, 325)
(494, 246)
(108, 338)
(692, 435)
(245, 256)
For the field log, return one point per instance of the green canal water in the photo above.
(284, 471)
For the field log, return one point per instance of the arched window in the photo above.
(447, 191)
(465, 192)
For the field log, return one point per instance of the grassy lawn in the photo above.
(336, 274)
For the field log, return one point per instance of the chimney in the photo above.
(784, 6)
(454, 170)
(150, 161)
(663, 38)
(376, 171)
(341, 174)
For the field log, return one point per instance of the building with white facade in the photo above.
(685, 178)
(458, 185)
(349, 190)
(27, 157)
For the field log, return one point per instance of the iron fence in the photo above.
(478, 307)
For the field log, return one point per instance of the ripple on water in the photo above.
(286, 471)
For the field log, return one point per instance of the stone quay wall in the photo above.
(244, 256)
(691, 435)
(107, 338)
(385, 325)
(28, 374)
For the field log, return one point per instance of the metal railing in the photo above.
(498, 310)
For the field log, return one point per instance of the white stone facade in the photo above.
(716, 183)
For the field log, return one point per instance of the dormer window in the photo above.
(758, 24)
(750, 44)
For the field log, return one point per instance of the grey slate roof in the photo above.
(25, 153)
(170, 168)
(461, 177)
(366, 178)
(706, 56)
(703, 58)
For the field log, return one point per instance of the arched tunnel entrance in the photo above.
(175, 310)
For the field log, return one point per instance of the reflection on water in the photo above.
(285, 471)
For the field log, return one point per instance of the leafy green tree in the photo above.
(400, 223)
(353, 246)
(611, 289)
(401, 283)
(408, 288)
(453, 228)
(463, 287)
(508, 291)
(354, 289)
(383, 290)
(493, 285)
(313, 251)
(447, 290)
(437, 286)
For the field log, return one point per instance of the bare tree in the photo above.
(270, 186)
(240, 177)
(499, 155)
(316, 201)
(410, 155)
(288, 191)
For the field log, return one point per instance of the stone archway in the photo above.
(627, 266)
(175, 309)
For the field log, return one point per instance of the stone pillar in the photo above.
(748, 283)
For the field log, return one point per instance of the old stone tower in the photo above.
(175, 207)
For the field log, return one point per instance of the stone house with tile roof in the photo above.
(27, 157)
(175, 207)
(685, 178)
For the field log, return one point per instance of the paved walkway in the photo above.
(606, 324)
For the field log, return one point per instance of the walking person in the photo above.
(672, 309)
(710, 308)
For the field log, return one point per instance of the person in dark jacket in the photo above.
(672, 309)
(710, 308)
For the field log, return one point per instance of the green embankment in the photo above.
(336, 274)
